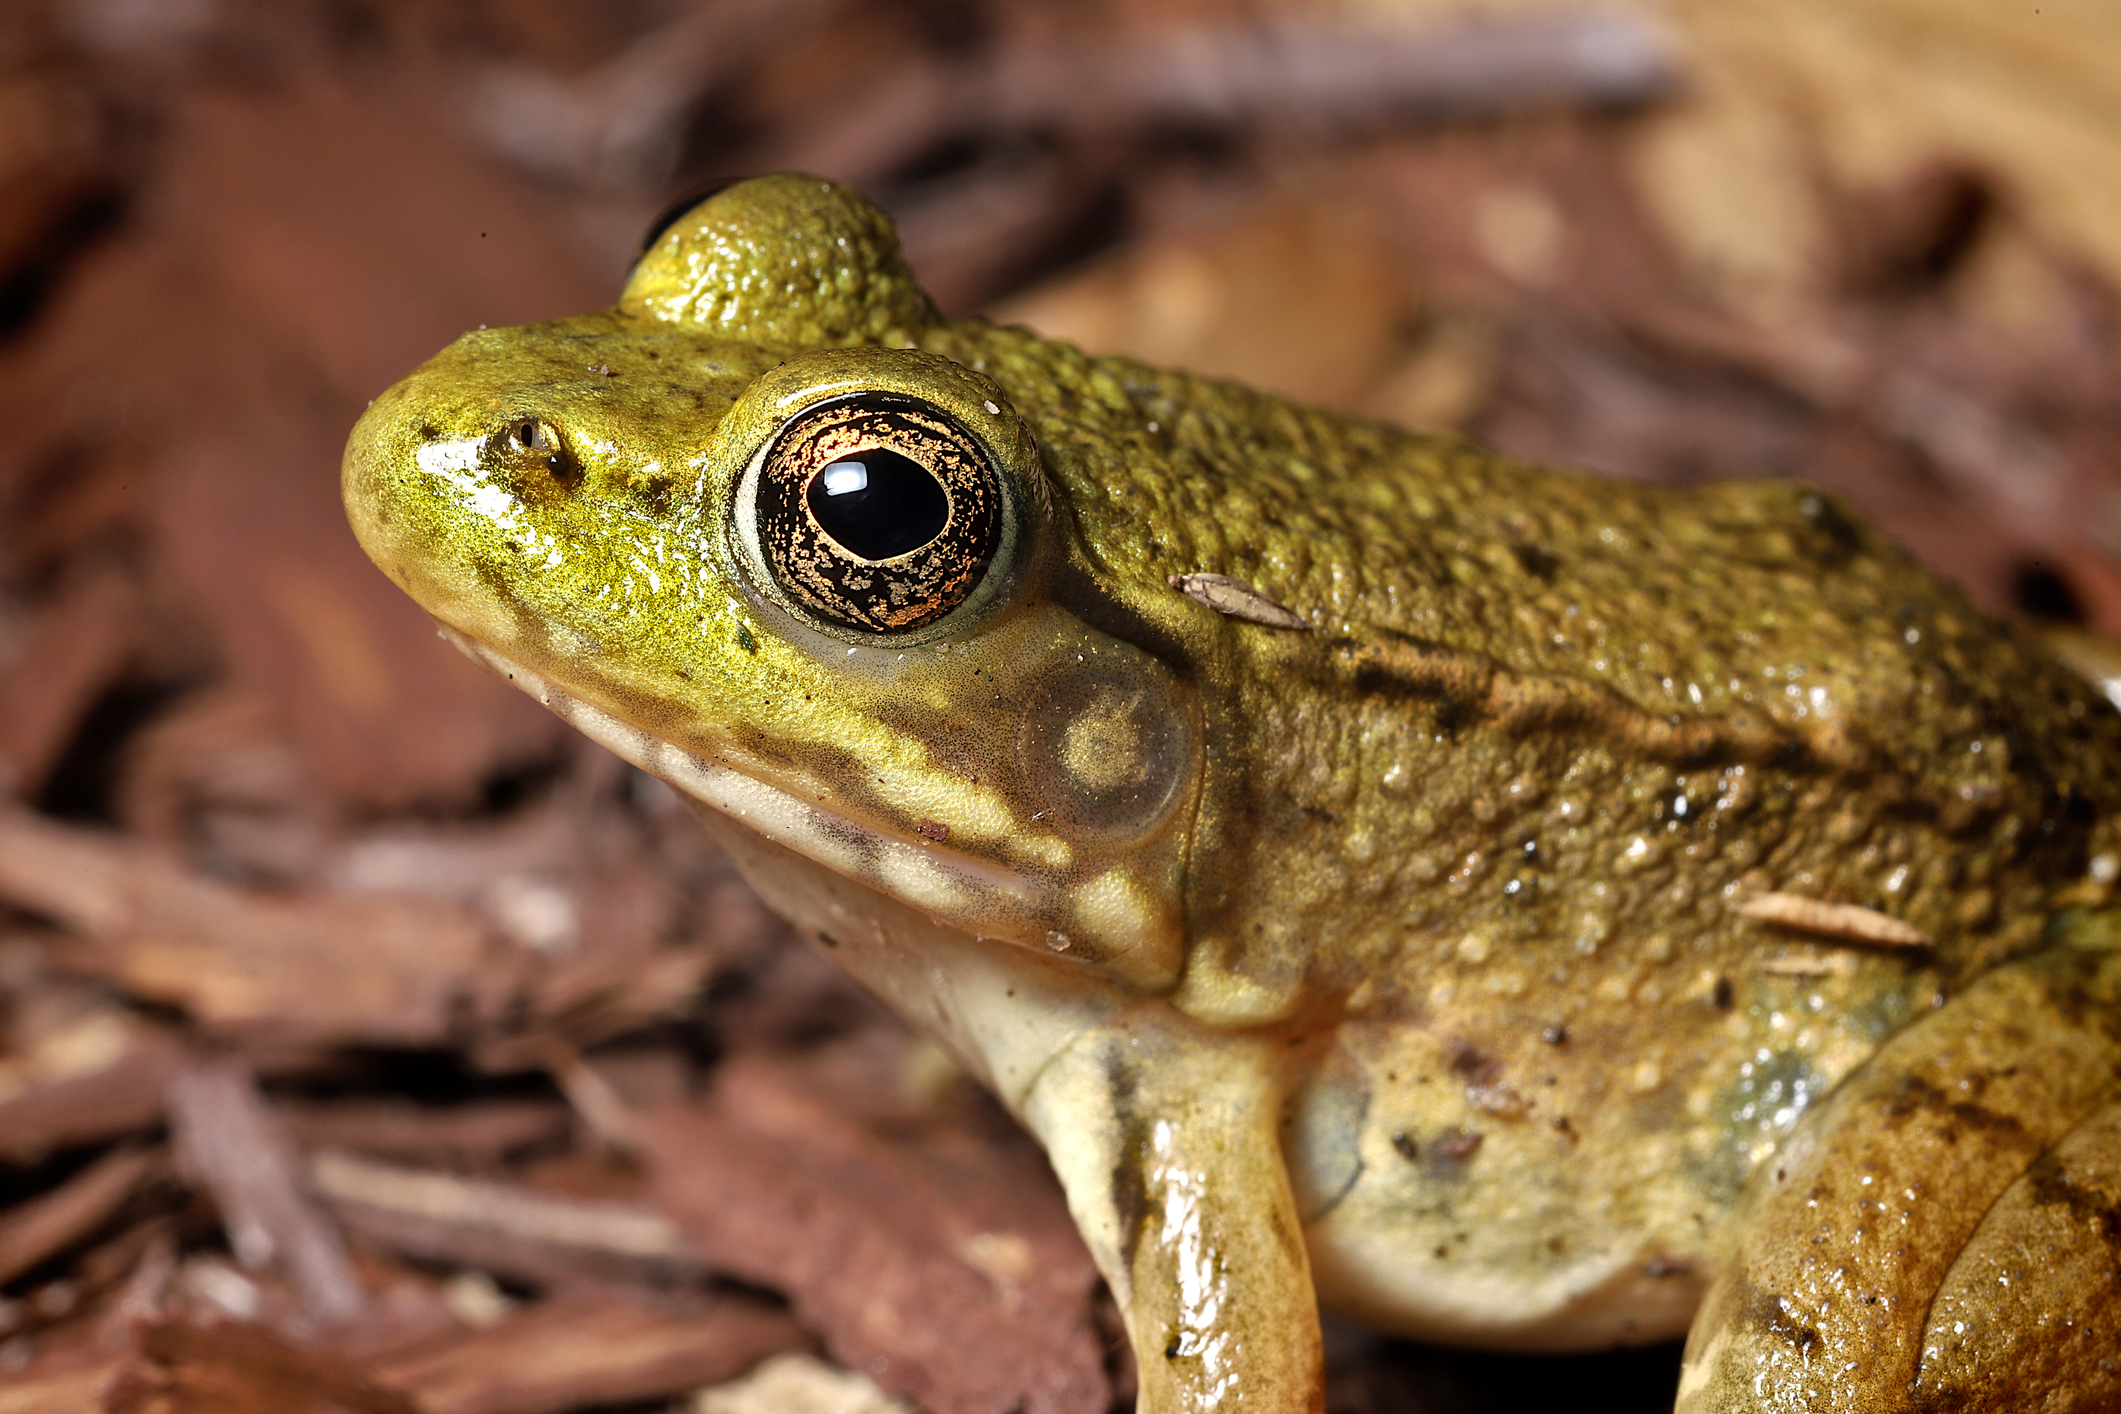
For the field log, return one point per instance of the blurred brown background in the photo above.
(367, 1043)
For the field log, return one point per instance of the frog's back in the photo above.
(1515, 801)
(1683, 633)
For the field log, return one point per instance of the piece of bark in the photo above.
(1096, 86)
(1316, 72)
(514, 1231)
(790, 1383)
(74, 1389)
(230, 1140)
(312, 243)
(214, 779)
(98, 1078)
(314, 969)
(592, 998)
(481, 1132)
(63, 153)
(560, 1355)
(183, 1368)
(960, 1284)
(619, 126)
(72, 649)
(34, 1232)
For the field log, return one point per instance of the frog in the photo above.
(1504, 906)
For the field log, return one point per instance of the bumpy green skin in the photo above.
(1421, 975)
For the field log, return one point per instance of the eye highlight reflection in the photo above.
(879, 506)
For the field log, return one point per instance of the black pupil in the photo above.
(878, 503)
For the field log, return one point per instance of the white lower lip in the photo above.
(965, 893)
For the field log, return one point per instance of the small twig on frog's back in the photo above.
(1847, 922)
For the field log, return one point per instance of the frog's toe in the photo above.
(1944, 1231)
(2029, 1317)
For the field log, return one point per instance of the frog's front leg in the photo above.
(1944, 1231)
(1164, 1134)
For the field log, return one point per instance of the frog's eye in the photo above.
(877, 512)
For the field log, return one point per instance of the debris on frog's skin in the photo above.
(1837, 965)
(1498, 1100)
(1851, 923)
(1458, 1145)
(1238, 600)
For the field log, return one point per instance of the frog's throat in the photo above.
(981, 898)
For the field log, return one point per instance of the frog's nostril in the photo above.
(532, 443)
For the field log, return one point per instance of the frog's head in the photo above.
(738, 529)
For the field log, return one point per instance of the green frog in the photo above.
(1509, 907)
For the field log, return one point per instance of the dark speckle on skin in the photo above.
(1536, 562)
(2052, 1186)
(1915, 1096)
(1130, 1178)
(1765, 1311)
(1470, 1062)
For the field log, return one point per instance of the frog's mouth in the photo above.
(953, 888)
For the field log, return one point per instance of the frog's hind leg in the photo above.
(2029, 1317)
(1944, 1231)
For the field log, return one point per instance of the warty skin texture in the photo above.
(1400, 954)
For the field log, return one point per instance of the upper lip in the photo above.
(945, 883)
